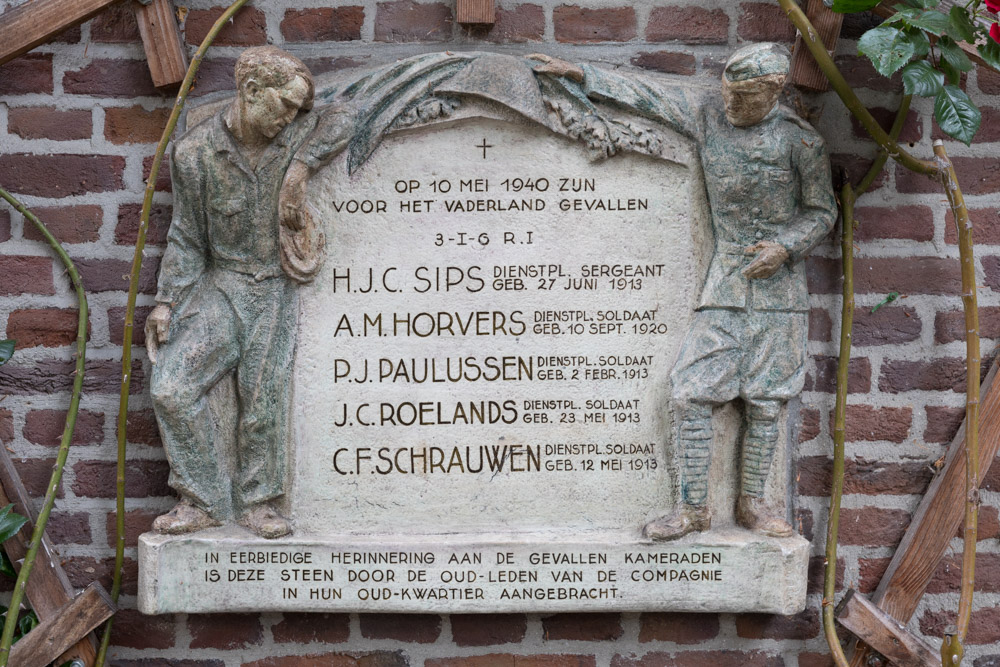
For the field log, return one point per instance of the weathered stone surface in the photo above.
(514, 326)
(168, 563)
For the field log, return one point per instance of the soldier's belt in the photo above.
(258, 272)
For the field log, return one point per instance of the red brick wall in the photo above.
(78, 121)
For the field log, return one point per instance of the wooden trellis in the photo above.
(64, 634)
(33, 23)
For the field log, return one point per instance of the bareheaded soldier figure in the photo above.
(226, 302)
(767, 174)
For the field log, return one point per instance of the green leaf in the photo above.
(10, 523)
(921, 45)
(956, 114)
(920, 78)
(953, 75)
(990, 51)
(954, 55)
(849, 6)
(27, 623)
(961, 25)
(888, 48)
(6, 567)
(6, 351)
(931, 20)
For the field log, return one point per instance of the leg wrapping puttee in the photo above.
(694, 439)
(759, 444)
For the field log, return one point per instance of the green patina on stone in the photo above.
(228, 278)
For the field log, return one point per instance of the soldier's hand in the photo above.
(557, 67)
(770, 257)
(157, 330)
(292, 198)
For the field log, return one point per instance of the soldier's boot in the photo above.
(183, 518)
(694, 440)
(266, 521)
(752, 510)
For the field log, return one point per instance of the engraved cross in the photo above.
(484, 146)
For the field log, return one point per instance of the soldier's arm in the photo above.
(332, 134)
(817, 211)
(675, 107)
(185, 257)
(187, 248)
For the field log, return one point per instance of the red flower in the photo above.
(995, 32)
(993, 5)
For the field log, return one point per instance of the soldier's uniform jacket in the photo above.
(226, 212)
(767, 182)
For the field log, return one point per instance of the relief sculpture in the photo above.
(488, 304)
(767, 173)
(226, 301)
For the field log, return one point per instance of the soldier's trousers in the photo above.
(758, 356)
(231, 322)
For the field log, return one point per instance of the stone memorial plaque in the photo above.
(481, 415)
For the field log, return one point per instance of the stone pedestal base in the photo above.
(229, 569)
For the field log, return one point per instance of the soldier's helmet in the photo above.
(757, 60)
